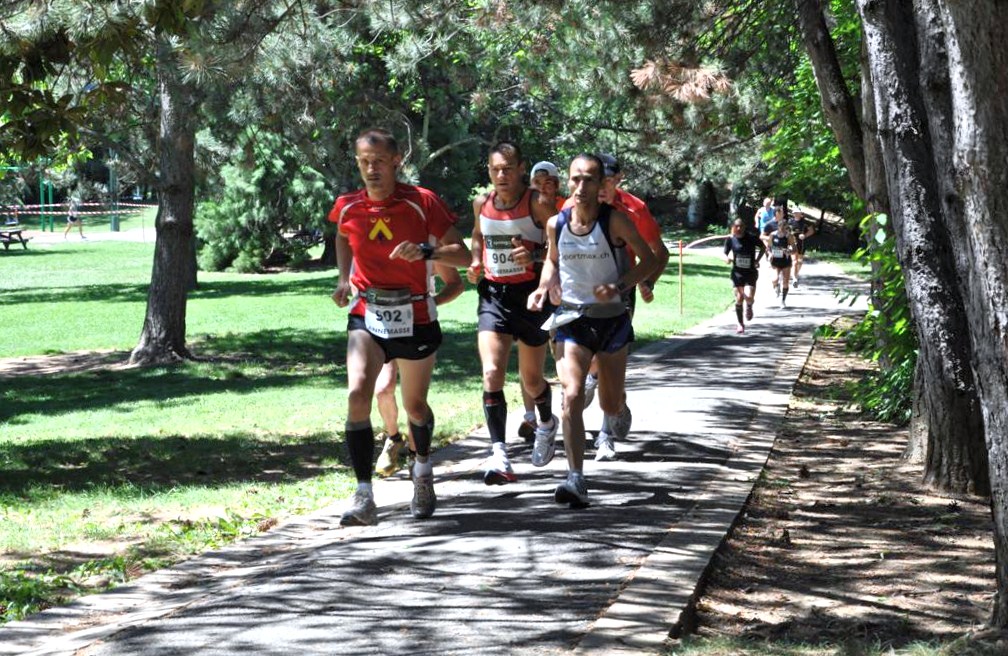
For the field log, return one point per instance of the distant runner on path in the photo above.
(388, 234)
(802, 230)
(780, 243)
(583, 273)
(740, 251)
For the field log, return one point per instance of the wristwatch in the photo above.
(648, 284)
(426, 249)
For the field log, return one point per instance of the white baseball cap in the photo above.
(549, 167)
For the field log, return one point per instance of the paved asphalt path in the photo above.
(498, 569)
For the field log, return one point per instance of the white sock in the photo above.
(498, 447)
(530, 416)
(365, 488)
(424, 468)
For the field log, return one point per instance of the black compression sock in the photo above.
(544, 404)
(360, 445)
(495, 411)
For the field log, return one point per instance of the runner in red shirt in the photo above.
(388, 235)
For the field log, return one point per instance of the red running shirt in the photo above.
(375, 228)
(498, 228)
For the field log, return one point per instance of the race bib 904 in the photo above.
(499, 261)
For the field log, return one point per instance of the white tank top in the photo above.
(586, 261)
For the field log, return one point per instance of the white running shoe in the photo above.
(498, 469)
(591, 383)
(605, 450)
(362, 511)
(573, 491)
(545, 443)
(783, 305)
(620, 424)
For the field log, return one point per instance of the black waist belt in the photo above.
(377, 296)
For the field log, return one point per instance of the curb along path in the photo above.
(498, 568)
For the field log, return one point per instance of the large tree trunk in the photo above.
(163, 338)
(975, 203)
(963, 108)
(950, 414)
(946, 422)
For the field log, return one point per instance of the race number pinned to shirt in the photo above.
(777, 252)
(388, 313)
(499, 261)
(743, 262)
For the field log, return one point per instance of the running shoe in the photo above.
(740, 329)
(748, 312)
(776, 289)
(388, 459)
(620, 424)
(573, 491)
(498, 469)
(545, 443)
(362, 511)
(526, 429)
(424, 500)
(783, 305)
(591, 383)
(605, 450)
(794, 282)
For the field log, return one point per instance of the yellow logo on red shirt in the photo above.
(380, 230)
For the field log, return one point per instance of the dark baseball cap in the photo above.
(610, 165)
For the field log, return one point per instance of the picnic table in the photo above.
(11, 233)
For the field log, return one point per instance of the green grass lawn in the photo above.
(147, 465)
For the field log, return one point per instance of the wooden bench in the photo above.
(11, 234)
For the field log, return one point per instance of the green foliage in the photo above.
(23, 593)
(801, 154)
(886, 333)
(269, 193)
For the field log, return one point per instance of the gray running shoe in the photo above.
(605, 450)
(573, 491)
(424, 500)
(362, 511)
(545, 443)
(591, 384)
(620, 423)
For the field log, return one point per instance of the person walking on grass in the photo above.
(73, 218)
(507, 249)
(743, 251)
(389, 234)
(392, 440)
(582, 273)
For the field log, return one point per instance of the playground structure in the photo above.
(47, 209)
